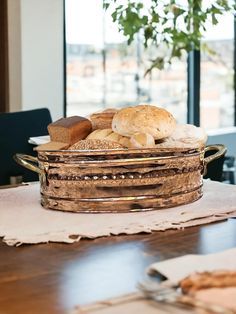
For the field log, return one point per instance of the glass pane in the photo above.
(168, 88)
(84, 43)
(217, 76)
(104, 72)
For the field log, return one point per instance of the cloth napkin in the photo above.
(176, 269)
(38, 140)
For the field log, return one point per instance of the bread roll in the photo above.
(125, 141)
(99, 134)
(185, 136)
(115, 137)
(109, 135)
(69, 130)
(216, 289)
(95, 144)
(102, 120)
(142, 140)
(204, 280)
(155, 121)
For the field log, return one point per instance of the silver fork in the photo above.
(164, 292)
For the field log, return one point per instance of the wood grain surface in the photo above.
(54, 278)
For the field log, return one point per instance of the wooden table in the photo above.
(53, 278)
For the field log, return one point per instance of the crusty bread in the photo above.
(155, 121)
(69, 130)
(185, 136)
(142, 140)
(215, 289)
(103, 119)
(99, 134)
(109, 135)
(138, 140)
(95, 144)
(205, 280)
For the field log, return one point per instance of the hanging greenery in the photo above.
(179, 25)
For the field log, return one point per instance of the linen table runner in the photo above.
(24, 220)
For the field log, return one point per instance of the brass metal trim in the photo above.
(117, 162)
(23, 160)
(221, 150)
(119, 198)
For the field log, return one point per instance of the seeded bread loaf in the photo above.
(95, 144)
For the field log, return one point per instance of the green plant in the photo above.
(179, 25)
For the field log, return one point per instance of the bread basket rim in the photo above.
(117, 151)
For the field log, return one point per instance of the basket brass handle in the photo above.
(220, 151)
(30, 161)
(23, 160)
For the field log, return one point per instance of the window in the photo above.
(217, 76)
(103, 71)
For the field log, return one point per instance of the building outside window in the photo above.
(217, 76)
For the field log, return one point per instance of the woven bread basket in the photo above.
(126, 180)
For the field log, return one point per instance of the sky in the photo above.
(84, 25)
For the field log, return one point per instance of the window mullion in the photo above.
(235, 70)
(64, 62)
(193, 102)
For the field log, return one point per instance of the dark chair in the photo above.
(214, 168)
(229, 170)
(15, 130)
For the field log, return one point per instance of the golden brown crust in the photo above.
(69, 130)
(102, 120)
(99, 134)
(142, 140)
(95, 144)
(155, 121)
(205, 280)
(109, 135)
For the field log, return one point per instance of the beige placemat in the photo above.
(23, 220)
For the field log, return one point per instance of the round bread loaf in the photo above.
(185, 136)
(149, 119)
(103, 119)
